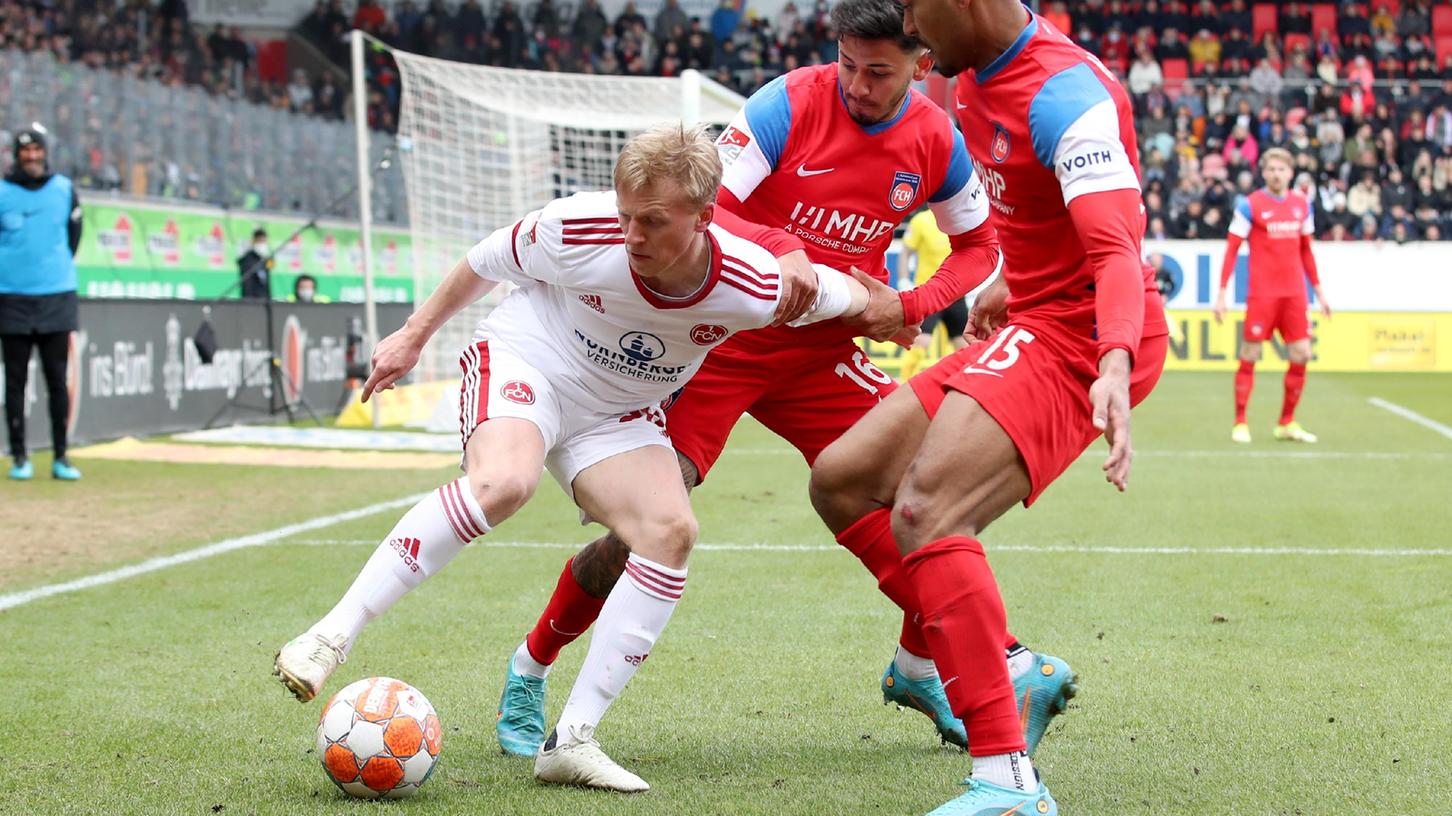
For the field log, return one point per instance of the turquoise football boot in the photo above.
(521, 723)
(987, 799)
(1043, 692)
(926, 696)
(62, 469)
(22, 470)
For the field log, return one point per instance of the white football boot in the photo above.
(578, 760)
(306, 662)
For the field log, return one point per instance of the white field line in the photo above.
(14, 599)
(279, 534)
(485, 545)
(1409, 414)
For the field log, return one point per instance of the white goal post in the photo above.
(482, 146)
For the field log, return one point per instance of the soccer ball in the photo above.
(379, 737)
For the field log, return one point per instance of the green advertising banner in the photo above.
(140, 250)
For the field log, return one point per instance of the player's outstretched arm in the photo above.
(398, 353)
(798, 281)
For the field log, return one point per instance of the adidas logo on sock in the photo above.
(407, 549)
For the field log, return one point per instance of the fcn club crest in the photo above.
(1000, 146)
(517, 391)
(704, 334)
(904, 190)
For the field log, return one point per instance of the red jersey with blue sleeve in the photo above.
(1279, 230)
(1052, 135)
(794, 158)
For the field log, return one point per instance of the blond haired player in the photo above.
(621, 295)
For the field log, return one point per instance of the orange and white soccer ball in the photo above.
(379, 737)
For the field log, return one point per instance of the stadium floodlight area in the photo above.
(481, 146)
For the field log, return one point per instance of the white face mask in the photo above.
(260, 247)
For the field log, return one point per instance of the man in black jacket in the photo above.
(255, 267)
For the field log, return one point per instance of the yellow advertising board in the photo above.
(1349, 341)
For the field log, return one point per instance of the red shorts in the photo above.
(808, 394)
(1286, 315)
(1033, 378)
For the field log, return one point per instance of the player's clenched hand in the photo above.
(990, 309)
(395, 356)
(1109, 400)
(798, 287)
(883, 318)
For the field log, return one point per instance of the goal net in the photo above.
(482, 146)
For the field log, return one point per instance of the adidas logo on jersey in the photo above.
(594, 302)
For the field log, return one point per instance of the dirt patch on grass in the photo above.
(126, 511)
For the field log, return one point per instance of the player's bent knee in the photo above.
(501, 496)
(1299, 352)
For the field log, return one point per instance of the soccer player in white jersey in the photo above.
(621, 295)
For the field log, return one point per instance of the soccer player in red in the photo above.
(993, 425)
(839, 155)
(1278, 223)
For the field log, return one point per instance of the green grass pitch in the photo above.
(1214, 680)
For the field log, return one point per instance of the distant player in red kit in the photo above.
(1052, 135)
(1278, 223)
(838, 155)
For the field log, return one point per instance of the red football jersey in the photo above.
(1045, 124)
(1273, 228)
(795, 159)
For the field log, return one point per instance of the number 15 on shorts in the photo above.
(1001, 353)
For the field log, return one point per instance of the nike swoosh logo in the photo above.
(804, 172)
(972, 370)
(560, 631)
(959, 105)
(950, 681)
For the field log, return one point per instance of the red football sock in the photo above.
(569, 613)
(965, 622)
(870, 539)
(1244, 381)
(1295, 381)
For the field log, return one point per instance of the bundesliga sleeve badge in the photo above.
(730, 144)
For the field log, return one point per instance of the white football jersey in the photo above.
(594, 328)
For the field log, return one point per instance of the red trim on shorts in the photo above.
(474, 386)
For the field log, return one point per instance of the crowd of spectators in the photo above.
(157, 41)
(1356, 92)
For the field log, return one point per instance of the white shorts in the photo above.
(499, 383)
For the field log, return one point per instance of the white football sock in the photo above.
(427, 538)
(913, 667)
(525, 664)
(1013, 770)
(1020, 660)
(633, 617)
